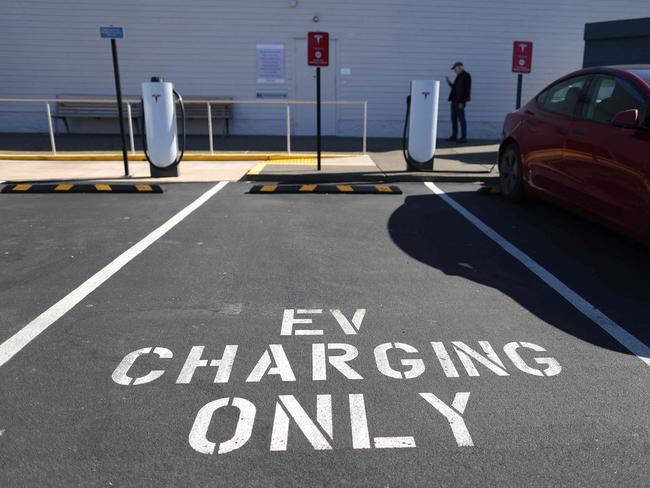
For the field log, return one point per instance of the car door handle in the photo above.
(578, 132)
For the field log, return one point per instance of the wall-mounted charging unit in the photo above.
(160, 132)
(421, 125)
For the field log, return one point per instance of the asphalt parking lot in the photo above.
(206, 336)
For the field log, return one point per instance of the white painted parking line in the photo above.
(24, 336)
(631, 343)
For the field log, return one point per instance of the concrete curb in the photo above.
(328, 189)
(373, 177)
(80, 188)
(278, 178)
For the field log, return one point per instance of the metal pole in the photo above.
(288, 128)
(318, 146)
(519, 83)
(365, 125)
(210, 128)
(118, 90)
(49, 124)
(128, 112)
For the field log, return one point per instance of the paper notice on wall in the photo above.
(270, 63)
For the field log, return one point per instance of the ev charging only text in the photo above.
(396, 361)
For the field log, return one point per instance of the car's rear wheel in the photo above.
(511, 174)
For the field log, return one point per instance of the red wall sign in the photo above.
(522, 56)
(318, 48)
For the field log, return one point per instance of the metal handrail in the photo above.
(207, 102)
(192, 100)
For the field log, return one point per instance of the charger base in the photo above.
(157, 172)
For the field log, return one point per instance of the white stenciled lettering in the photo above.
(320, 358)
(444, 359)
(198, 434)
(552, 365)
(349, 327)
(415, 365)
(453, 415)
(490, 360)
(289, 320)
(359, 422)
(120, 375)
(193, 361)
(319, 434)
(263, 366)
(361, 434)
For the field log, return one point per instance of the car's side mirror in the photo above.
(626, 118)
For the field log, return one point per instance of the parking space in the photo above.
(318, 340)
(52, 243)
(608, 269)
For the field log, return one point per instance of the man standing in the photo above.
(459, 96)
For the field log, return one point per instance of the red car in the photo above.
(584, 142)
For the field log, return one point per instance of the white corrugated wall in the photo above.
(207, 47)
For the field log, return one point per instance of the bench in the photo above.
(66, 109)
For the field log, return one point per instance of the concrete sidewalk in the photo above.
(33, 171)
(349, 168)
(384, 161)
(112, 171)
(452, 164)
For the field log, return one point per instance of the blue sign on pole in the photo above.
(111, 32)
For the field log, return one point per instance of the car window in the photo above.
(609, 96)
(563, 97)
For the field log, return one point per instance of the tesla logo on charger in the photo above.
(426, 94)
(156, 96)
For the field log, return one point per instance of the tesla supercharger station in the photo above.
(160, 133)
(421, 124)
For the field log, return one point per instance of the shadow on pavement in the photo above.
(480, 157)
(605, 268)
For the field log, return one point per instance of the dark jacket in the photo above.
(461, 88)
